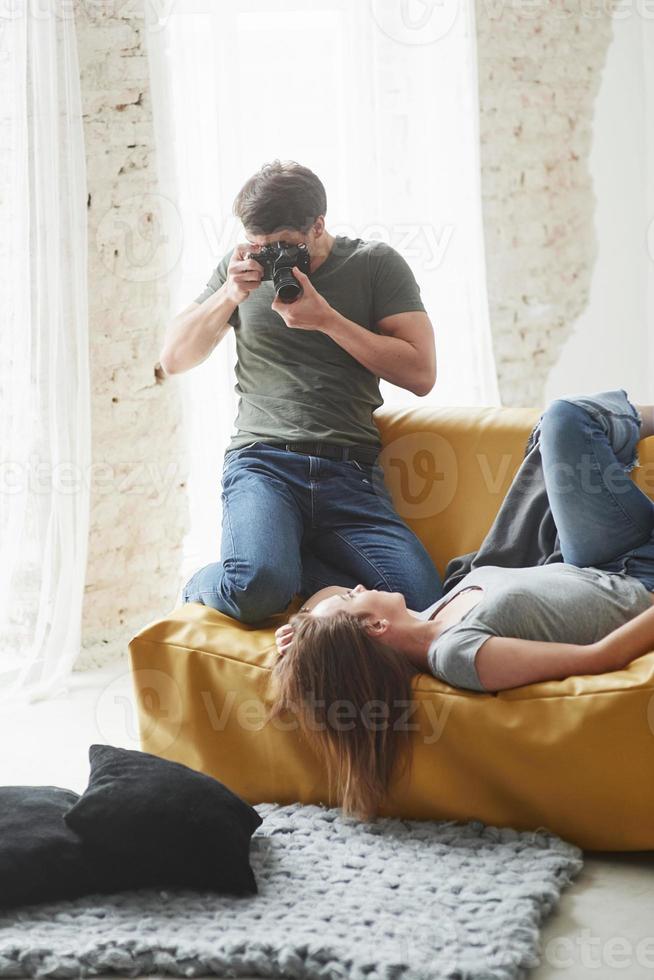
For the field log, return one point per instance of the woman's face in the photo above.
(365, 603)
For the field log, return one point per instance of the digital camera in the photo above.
(277, 259)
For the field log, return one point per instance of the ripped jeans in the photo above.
(588, 447)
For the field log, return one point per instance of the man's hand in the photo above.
(310, 312)
(243, 274)
(283, 638)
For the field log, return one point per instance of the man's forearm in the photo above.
(191, 337)
(390, 358)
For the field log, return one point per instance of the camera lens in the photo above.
(287, 288)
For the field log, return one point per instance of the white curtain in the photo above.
(44, 370)
(384, 108)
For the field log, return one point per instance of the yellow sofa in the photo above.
(575, 756)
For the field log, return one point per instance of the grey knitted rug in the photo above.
(391, 900)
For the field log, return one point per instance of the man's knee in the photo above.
(263, 591)
(249, 595)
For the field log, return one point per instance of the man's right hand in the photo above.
(243, 274)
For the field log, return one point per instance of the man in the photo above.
(303, 505)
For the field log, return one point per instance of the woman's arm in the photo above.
(504, 662)
(629, 641)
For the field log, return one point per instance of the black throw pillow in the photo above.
(178, 826)
(41, 858)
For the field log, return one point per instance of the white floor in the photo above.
(603, 928)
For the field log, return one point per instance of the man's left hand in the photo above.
(310, 312)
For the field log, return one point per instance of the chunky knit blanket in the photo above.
(337, 899)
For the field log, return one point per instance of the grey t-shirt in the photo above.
(301, 385)
(558, 603)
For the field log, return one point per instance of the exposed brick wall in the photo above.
(540, 67)
(138, 503)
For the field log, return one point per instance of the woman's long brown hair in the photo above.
(350, 694)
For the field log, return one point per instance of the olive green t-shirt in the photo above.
(298, 384)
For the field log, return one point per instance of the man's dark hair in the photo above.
(283, 194)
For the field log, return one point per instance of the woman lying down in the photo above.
(498, 628)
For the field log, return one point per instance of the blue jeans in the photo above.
(293, 524)
(588, 447)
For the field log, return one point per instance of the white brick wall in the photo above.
(138, 503)
(540, 66)
(539, 71)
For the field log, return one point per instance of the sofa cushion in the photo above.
(179, 826)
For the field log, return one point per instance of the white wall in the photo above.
(612, 341)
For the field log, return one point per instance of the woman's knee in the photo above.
(561, 415)
(569, 427)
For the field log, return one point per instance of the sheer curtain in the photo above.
(384, 110)
(44, 370)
